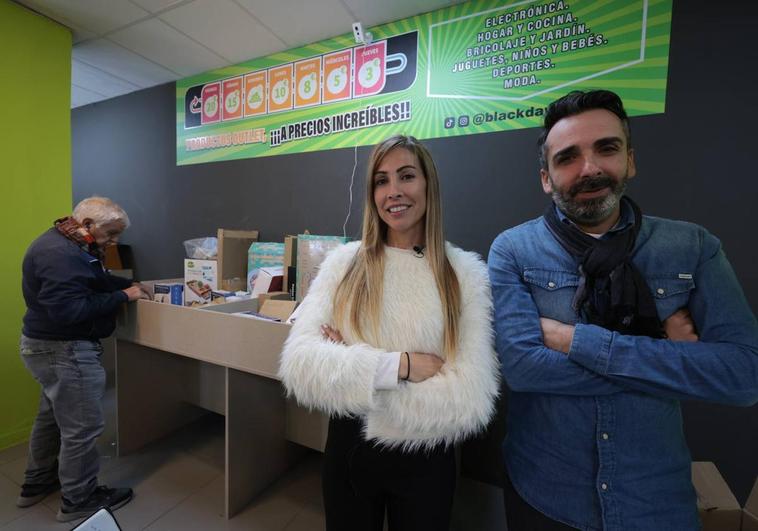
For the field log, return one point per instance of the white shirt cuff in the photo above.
(386, 371)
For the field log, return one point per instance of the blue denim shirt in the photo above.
(595, 437)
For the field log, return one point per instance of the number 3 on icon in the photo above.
(370, 73)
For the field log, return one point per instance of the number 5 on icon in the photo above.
(338, 73)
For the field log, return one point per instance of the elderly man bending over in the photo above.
(71, 302)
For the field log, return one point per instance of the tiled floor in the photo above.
(178, 484)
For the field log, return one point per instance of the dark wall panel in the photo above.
(695, 162)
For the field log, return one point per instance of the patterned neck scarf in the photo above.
(75, 232)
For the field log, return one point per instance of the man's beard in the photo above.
(590, 211)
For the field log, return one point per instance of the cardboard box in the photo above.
(278, 308)
(221, 295)
(311, 251)
(169, 293)
(717, 506)
(200, 279)
(260, 255)
(271, 310)
(229, 270)
(267, 279)
(232, 257)
(750, 512)
(277, 295)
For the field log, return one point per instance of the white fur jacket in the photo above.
(339, 378)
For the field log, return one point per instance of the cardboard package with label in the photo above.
(227, 272)
(750, 512)
(716, 505)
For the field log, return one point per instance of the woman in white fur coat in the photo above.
(394, 341)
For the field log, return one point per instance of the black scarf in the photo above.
(612, 293)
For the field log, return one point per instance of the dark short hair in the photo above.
(577, 102)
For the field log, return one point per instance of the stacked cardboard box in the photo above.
(200, 279)
(750, 512)
(717, 506)
(226, 272)
(311, 251)
(262, 255)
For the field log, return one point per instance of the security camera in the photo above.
(358, 32)
(360, 36)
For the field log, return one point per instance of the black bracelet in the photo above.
(408, 359)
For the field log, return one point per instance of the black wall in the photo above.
(695, 162)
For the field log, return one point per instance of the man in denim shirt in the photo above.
(605, 319)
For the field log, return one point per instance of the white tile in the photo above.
(115, 59)
(14, 452)
(81, 96)
(160, 489)
(37, 518)
(14, 470)
(9, 490)
(210, 446)
(81, 35)
(307, 521)
(154, 6)
(202, 510)
(372, 13)
(167, 47)
(298, 23)
(93, 15)
(297, 495)
(96, 80)
(224, 27)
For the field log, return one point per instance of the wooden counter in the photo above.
(174, 362)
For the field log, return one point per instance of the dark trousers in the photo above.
(523, 517)
(361, 482)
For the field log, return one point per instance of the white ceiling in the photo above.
(121, 46)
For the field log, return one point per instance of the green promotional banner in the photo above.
(477, 67)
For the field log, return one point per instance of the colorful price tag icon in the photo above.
(370, 68)
(231, 91)
(308, 82)
(280, 88)
(338, 73)
(255, 93)
(211, 95)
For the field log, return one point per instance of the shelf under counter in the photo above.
(173, 363)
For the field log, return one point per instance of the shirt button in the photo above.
(551, 284)
(604, 486)
(605, 436)
(660, 291)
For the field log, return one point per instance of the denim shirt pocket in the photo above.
(553, 292)
(670, 292)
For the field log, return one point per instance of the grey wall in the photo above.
(695, 162)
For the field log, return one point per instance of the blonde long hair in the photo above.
(359, 295)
